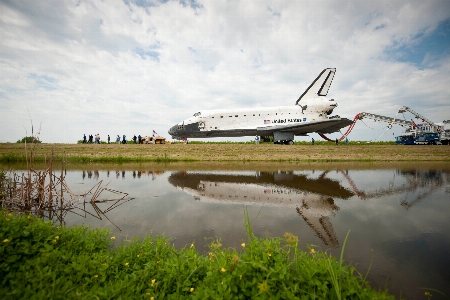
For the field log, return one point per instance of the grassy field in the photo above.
(232, 152)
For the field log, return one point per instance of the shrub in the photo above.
(29, 140)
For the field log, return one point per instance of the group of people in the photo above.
(143, 139)
(136, 139)
(91, 139)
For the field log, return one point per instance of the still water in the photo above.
(399, 212)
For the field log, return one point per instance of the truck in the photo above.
(422, 138)
(445, 133)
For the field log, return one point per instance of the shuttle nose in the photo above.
(173, 130)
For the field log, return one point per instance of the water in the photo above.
(399, 212)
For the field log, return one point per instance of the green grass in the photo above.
(41, 261)
(224, 152)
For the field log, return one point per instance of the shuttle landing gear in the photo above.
(284, 142)
(281, 137)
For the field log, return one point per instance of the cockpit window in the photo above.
(197, 114)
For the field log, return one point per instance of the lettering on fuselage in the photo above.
(283, 121)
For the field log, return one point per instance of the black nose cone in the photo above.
(173, 130)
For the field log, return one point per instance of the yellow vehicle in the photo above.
(159, 140)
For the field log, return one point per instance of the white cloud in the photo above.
(117, 67)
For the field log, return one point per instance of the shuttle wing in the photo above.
(322, 126)
(320, 85)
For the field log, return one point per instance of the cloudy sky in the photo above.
(113, 67)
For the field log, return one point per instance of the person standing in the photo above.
(124, 139)
(84, 138)
(256, 139)
(312, 141)
(139, 139)
(109, 139)
(134, 139)
(346, 140)
(118, 139)
(337, 142)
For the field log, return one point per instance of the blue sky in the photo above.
(425, 47)
(130, 67)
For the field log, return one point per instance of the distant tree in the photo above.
(29, 139)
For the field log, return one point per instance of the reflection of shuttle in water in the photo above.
(312, 198)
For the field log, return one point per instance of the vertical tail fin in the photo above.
(320, 85)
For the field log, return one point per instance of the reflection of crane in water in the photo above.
(416, 180)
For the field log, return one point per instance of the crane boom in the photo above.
(380, 118)
(417, 115)
(411, 126)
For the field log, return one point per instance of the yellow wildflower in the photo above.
(235, 259)
(113, 238)
(9, 215)
(153, 281)
(312, 251)
(263, 287)
(139, 255)
(269, 254)
(126, 264)
(152, 298)
(191, 290)
(95, 276)
(243, 245)
(5, 241)
(216, 246)
(57, 237)
(104, 264)
(223, 270)
(240, 277)
(192, 245)
(54, 241)
(29, 217)
(291, 239)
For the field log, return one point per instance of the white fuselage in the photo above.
(232, 120)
